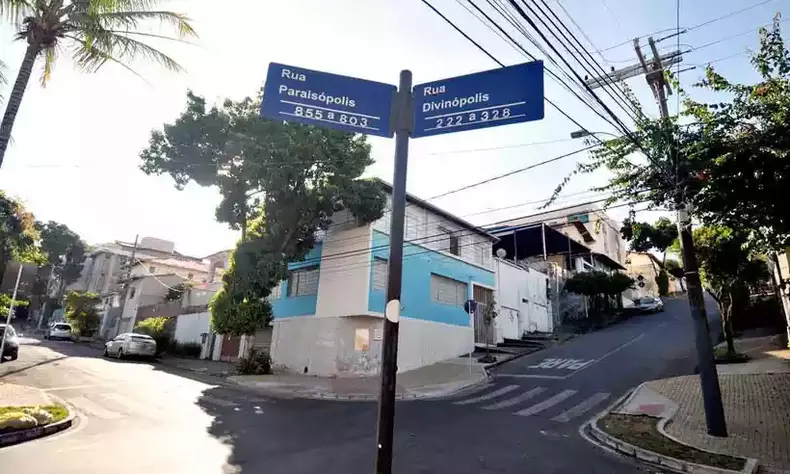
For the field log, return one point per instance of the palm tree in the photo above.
(94, 31)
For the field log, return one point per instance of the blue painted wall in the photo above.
(285, 307)
(418, 264)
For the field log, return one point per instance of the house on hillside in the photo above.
(329, 313)
(644, 267)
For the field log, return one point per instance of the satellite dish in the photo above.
(501, 253)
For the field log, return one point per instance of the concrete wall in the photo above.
(189, 327)
(522, 302)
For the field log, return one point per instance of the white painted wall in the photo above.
(423, 342)
(189, 327)
(521, 301)
(345, 277)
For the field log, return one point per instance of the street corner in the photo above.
(635, 426)
(28, 413)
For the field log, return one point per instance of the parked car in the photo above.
(649, 304)
(58, 331)
(131, 344)
(11, 348)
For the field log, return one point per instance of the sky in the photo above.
(76, 143)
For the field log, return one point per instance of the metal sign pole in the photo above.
(389, 352)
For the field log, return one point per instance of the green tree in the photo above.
(82, 312)
(94, 32)
(728, 269)
(280, 183)
(5, 304)
(599, 287)
(64, 249)
(229, 147)
(658, 236)
(18, 234)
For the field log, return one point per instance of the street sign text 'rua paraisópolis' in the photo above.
(486, 99)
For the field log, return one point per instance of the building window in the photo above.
(379, 274)
(152, 269)
(454, 245)
(277, 292)
(131, 293)
(448, 291)
(190, 276)
(303, 282)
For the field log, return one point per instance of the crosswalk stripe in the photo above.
(548, 403)
(92, 408)
(581, 407)
(518, 399)
(488, 396)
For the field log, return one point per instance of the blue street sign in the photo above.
(501, 96)
(329, 100)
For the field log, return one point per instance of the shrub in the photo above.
(157, 328)
(185, 349)
(258, 362)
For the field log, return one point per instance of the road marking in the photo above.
(69, 387)
(92, 408)
(518, 399)
(548, 403)
(534, 376)
(581, 407)
(217, 401)
(613, 351)
(488, 396)
(131, 405)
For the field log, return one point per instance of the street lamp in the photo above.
(586, 133)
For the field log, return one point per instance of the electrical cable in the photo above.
(627, 104)
(501, 64)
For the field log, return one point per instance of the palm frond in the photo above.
(91, 53)
(3, 79)
(14, 10)
(132, 19)
(153, 35)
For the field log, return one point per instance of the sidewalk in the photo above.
(441, 379)
(666, 417)
(31, 426)
(20, 395)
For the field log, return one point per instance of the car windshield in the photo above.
(63, 327)
(141, 337)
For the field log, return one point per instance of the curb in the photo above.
(511, 359)
(366, 397)
(610, 442)
(17, 437)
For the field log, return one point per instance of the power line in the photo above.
(627, 105)
(511, 173)
(550, 102)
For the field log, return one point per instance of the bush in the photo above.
(258, 362)
(157, 328)
(185, 349)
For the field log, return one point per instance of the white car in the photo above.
(58, 331)
(131, 344)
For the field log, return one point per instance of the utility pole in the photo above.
(126, 283)
(709, 377)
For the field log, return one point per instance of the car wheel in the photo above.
(119, 354)
(106, 352)
(14, 357)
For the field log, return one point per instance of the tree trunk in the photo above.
(781, 293)
(725, 310)
(15, 100)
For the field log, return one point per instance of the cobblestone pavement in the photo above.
(20, 395)
(757, 407)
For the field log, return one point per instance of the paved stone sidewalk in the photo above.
(434, 380)
(756, 398)
(19, 395)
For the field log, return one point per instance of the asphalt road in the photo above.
(143, 417)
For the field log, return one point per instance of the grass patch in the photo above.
(59, 413)
(641, 431)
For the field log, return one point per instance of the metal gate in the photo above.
(483, 297)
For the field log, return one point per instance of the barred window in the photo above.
(303, 282)
(379, 274)
(448, 291)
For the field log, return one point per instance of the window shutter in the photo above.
(379, 274)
